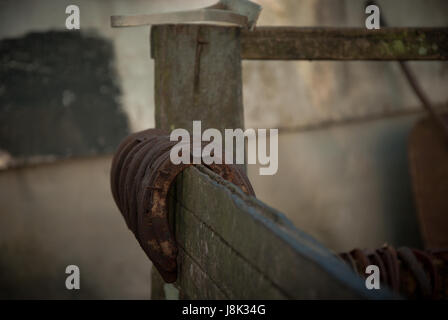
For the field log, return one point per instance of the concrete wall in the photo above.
(131, 44)
(60, 214)
(343, 168)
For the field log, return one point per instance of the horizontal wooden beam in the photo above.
(298, 43)
(232, 246)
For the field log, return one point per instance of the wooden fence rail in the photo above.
(232, 246)
(294, 43)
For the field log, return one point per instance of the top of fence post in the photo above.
(197, 76)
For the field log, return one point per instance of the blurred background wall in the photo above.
(343, 169)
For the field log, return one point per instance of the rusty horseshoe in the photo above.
(141, 176)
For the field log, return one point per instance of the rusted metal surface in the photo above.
(141, 176)
(299, 43)
(412, 273)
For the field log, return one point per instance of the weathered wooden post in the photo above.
(197, 76)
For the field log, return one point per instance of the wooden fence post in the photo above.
(197, 77)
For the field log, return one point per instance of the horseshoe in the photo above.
(141, 176)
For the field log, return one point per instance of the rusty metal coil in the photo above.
(141, 176)
(412, 273)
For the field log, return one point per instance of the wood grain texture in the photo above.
(298, 43)
(234, 246)
(197, 76)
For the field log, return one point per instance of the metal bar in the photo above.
(201, 15)
(298, 43)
